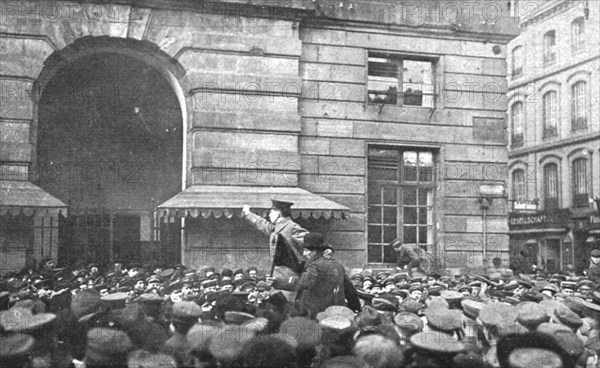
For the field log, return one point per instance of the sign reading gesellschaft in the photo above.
(549, 218)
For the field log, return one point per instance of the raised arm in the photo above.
(258, 222)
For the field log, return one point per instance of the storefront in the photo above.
(587, 237)
(543, 238)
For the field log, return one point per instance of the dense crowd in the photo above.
(153, 316)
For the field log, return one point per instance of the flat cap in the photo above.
(435, 343)
(186, 310)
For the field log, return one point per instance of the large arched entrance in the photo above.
(110, 144)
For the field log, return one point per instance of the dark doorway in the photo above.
(109, 144)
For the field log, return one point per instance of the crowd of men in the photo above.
(153, 316)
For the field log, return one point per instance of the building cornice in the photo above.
(514, 154)
(554, 9)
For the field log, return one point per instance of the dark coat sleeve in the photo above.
(351, 295)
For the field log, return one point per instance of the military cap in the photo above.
(525, 283)
(225, 283)
(385, 302)
(209, 283)
(107, 347)
(336, 323)
(356, 276)
(408, 322)
(368, 278)
(281, 205)
(186, 310)
(261, 286)
(464, 288)
(558, 276)
(416, 280)
(595, 253)
(415, 288)
(153, 279)
(435, 290)
(400, 292)
(432, 343)
(498, 314)
(237, 318)
(150, 298)
(471, 308)
(567, 317)
(226, 272)
(336, 310)
(114, 300)
(568, 285)
(368, 317)
(15, 346)
(146, 359)
(550, 287)
(453, 297)
(18, 319)
(238, 271)
(389, 281)
(401, 276)
(166, 273)
(411, 306)
(247, 286)
(376, 285)
(444, 319)
(383, 275)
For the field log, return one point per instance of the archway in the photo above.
(110, 143)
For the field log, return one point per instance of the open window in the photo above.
(398, 80)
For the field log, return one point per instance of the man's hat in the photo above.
(595, 253)
(315, 241)
(281, 205)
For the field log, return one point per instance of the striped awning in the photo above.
(217, 201)
(23, 197)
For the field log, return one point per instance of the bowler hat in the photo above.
(315, 241)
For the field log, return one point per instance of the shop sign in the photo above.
(540, 219)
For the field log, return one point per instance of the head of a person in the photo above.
(279, 209)
(595, 256)
(314, 246)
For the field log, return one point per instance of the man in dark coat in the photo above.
(324, 282)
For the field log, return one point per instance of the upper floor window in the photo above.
(578, 106)
(397, 80)
(517, 62)
(577, 35)
(517, 123)
(518, 185)
(550, 114)
(550, 183)
(549, 47)
(580, 183)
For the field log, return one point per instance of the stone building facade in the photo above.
(154, 123)
(554, 146)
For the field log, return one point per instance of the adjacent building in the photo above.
(553, 109)
(147, 127)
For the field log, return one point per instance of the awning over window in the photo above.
(18, 197)
(217, 201)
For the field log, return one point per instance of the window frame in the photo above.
(400, 187)
(550, 202)
(579, 106)
(517, 139)
(550, 131)
(398, 60)
(519, 189)
(578, 199)
(517, 70)
(549, 47)
(578, 35)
